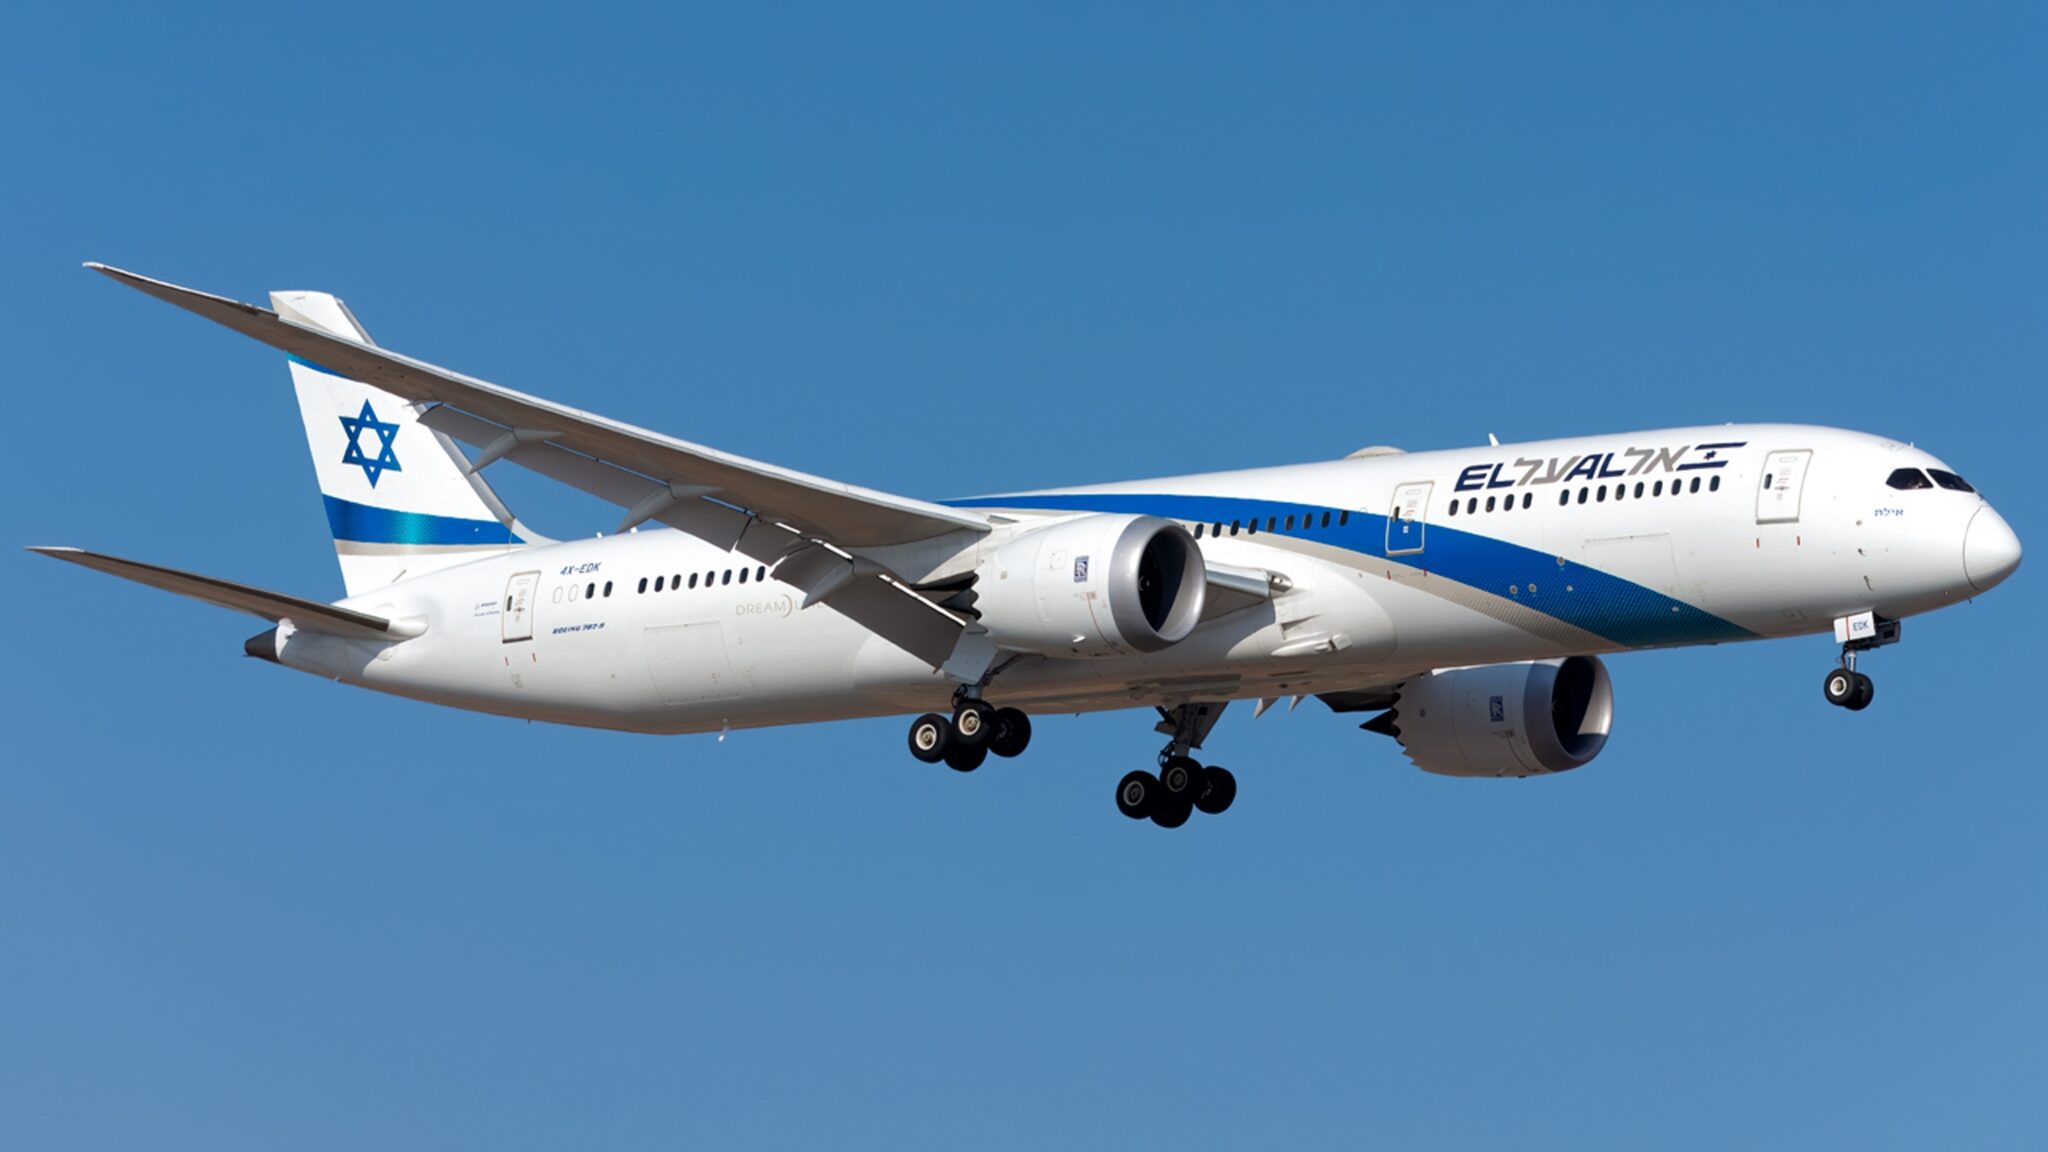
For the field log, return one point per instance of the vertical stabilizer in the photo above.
(400, 497)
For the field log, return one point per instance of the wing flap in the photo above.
(272, 606)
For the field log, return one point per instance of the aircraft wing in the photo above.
(272, 606)
(850, 516)
(806, 525)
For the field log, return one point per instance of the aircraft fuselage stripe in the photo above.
(1617, 610)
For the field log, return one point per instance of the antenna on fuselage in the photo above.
(1493, 440)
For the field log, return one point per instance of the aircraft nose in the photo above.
(1990, 549)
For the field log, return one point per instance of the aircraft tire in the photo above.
(931, 735)
(966, 758)
(1865, 692)
(1839, 687)
(1136, 793)
(1215, 791)
(1172, 812)
(1180, 778)
(973, 724)
(1011, 733)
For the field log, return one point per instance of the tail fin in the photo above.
(400, 496)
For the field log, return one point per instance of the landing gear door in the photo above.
(1779, 490)
(518, 614)
(1405, 523)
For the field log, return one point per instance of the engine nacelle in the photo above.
(1504, 719)
(1104, 585)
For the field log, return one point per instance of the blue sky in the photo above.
(942, 251)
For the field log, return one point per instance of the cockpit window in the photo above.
(1908, 478)
(1950, 480)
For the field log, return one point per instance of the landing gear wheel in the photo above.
(1180, 778)
(972, 722)
(1010, 732)
(964, 758)
(1864, 692)
(1217, 788)
(1135, 794)
(1171, 812)
(1840, 687)
(930, 736)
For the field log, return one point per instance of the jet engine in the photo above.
(1102, 585)
(1521, 719)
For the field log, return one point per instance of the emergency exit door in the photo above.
(1405, 523)
(518, 614)
(1780, 488)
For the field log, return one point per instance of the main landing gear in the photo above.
(975, 731)
(1845, 687)
(1182, 787)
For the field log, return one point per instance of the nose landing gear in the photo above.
(1845, 687)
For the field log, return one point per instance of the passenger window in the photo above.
(1270, 521)
(1695, 485)
(743, 575)
(1233, 527)
(1216, 529)
(1601, 496)
(1454, 507)
(760, 573)
(727, 578)
(1251, 526)
(590, 593)
(575, 593)
(1639, 489)
(1583, 493)
(1326, 519)
(643, 585)
(675, 582)
(1564, 498)
(1489, 503)
(658, 583)
(1907, 479)
(607, 589)
(1950, 480)
(1714, 485)
(693, 579)
(1198, 531)
(1657, 489)
(1343, 518)
(1528, 498)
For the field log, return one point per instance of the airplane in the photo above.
(1462, 599)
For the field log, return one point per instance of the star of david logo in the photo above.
(385, 459)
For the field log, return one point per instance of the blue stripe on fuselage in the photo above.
(363, 524)
(1610, 607)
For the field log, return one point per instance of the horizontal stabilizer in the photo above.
(272, 606)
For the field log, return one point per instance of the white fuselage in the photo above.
(1564, 547)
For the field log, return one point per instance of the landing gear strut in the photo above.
(1845, 687)
(1182, 786)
